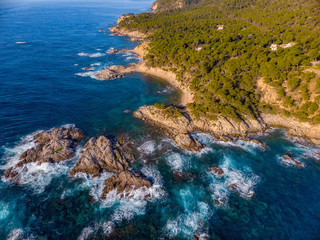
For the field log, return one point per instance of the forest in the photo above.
(222, 49)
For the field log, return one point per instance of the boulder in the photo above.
(101, 154)
(217, 171)
(126, 181)
(52, 146)
(188, 142)
(112, 50)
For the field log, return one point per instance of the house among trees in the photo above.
(274, 47)
(220, 27)
(287, 45)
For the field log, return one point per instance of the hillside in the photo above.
(241, 58)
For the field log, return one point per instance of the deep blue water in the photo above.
(44, 46)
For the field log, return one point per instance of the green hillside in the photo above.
(224, 64)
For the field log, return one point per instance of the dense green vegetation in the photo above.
(224, 66)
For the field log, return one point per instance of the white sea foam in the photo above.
(165, 90)
(193, 220)
(136, 202)
(148, 147)
(85, 233)
(91, 74)
(15, 234)
(21, 42)
(4, 210)
(95, 64)
(87, 69)
(130, 56)
(209, 140)
(176, 161)
(108, 227)
(290, 163)
(244, 182)
(91, 55)
(35, 176)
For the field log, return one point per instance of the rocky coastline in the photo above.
(222, 128)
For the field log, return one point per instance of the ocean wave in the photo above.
(136, 202)
(91, 74)
(242, 182)
(87, 69)
(85, 233)
(291, 163)
(238, 143)
(95, 64)
(148, 147)
(37, 177)
(91, 55)
(21, 42)
(177, 162)
(193, 220)
(15, 234)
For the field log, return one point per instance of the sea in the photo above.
(49, 54)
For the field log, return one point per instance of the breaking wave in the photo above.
(91, 55)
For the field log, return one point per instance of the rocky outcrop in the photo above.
(124, 16)
(188, 142)
(186, 123)
(177, 127)
(125, 182)
(52, 146)
(133, 35)
(295, 128)
(101, 154)
(112, 72)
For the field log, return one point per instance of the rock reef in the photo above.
(55, 145)
(125, 182)
(102, 154)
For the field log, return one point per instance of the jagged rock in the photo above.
(52, 146)
(292, 160)
(99, 154)
(109, 74)
(182, 176)
(217, 171)
(112, 50)
(126, 181)
(188, 142)
(255, 141)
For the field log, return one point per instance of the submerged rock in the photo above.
(52, 146)
(291, 160)
(101, 154)
(125, 182)
(217, 171)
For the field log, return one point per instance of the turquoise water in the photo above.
(44, 48)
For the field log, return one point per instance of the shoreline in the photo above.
(222, 127)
